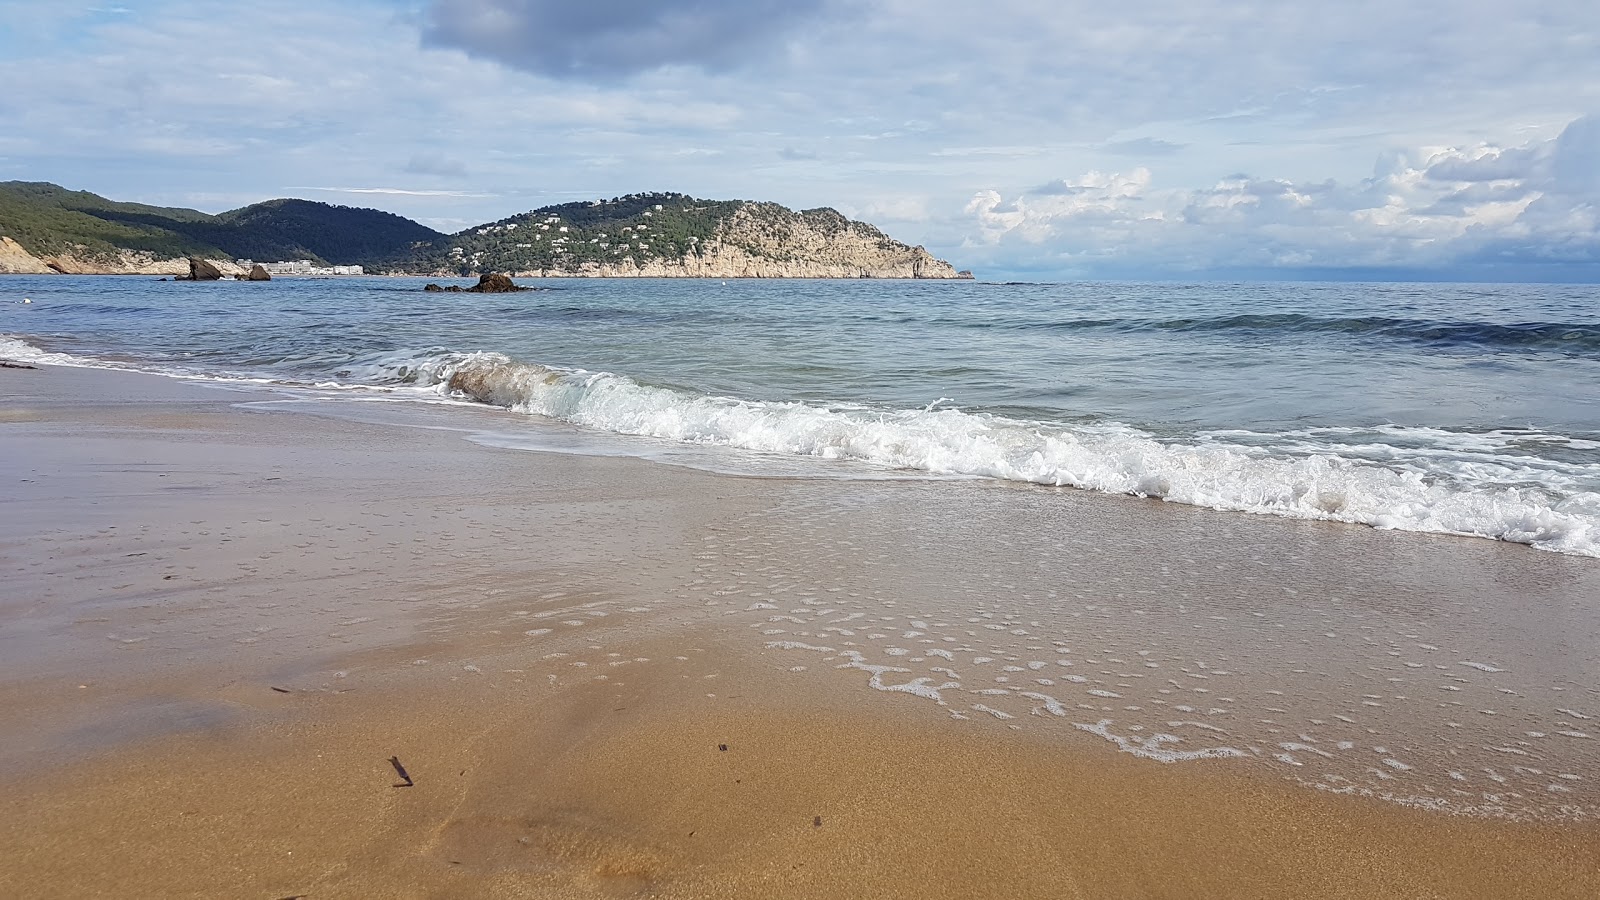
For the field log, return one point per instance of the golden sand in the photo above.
(222, 624)
(623, 789)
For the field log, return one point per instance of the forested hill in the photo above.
(655, 234)
(674, 235)
(305, 229)
(48, 220)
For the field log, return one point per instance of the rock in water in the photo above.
(495, 283)
(200, 270)
(257, 273)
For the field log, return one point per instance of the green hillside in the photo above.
(47, 219)
(304, 229)
(642, 227)
(565, 236)
(636, 230)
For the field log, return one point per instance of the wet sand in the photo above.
(220, 623)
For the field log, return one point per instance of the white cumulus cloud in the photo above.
(1440, 208)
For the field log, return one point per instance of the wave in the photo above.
(1563, 337)
(1471, 491)
(1486, 484)
(18, 350)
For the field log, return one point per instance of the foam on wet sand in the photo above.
(220, 624)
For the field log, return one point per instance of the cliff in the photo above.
(16, 261)
(81, 260)
(724, 261)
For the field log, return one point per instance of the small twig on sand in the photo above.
(400, 770)
(12, 365)
(281, 690)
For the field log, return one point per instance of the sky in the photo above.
(1022, 139)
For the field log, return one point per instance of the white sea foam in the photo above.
(18, 350)
(1509, 498)
(1155, 746)
(1428, 480)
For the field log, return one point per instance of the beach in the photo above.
(232, 618)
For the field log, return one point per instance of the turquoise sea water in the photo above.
(1467, 409)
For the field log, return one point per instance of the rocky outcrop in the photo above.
(765, 240)
(493, 283)
(723, 261)
(16, 261)
(258, 273)
(201, 270)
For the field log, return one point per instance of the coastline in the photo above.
(289, 600)
(617, 273)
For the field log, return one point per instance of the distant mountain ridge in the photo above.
(82, 230)
(654, 235)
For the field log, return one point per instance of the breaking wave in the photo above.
(1517, 485)
(1462, 484)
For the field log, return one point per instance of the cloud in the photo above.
(604, 40)
(1575, 164)
(1487, 164)
(1144, 146)
(436, 164)
(997, 152)
(891, 209)
(1473, 210)
(400, 192)
(511, 103)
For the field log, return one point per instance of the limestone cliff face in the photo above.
(765, 240)
(14, 260)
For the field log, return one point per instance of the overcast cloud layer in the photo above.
(1144, 139)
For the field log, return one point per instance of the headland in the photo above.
(47, 229)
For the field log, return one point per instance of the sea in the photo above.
(1437, 672)
(1458, 409)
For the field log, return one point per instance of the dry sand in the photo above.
(219, 624)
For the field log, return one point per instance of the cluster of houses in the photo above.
(300, 267)
(558, 242)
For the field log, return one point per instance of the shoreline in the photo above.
(540, 274)
(1336, 482)
(408, 591)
